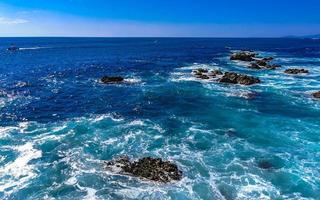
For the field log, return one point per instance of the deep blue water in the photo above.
(58, 123)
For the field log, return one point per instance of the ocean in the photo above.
(59, 123)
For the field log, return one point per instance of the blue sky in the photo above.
(186, 18)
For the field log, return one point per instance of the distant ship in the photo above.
(13, 48)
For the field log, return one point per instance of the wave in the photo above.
(32, 48)
(17, 174)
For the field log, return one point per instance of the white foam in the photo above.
(91, 193)
(18, 173)
(32, 48)
(133, 80)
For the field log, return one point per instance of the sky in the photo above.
(159, 18)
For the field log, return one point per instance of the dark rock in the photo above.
(254, 66)
(154, 169)
(296, 71)
(261, 63)
(111, 80)
(316, 95)
(243, 56)
(215, 72)
(265, 164)
(201, 70)
(13, 48)
(231, 77)
(267, 59)
(203, 76)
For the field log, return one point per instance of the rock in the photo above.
(13, 48)
(267, 59)
(265, 164)
(201, 70)
(274, 66)
(215, 72)
(231, 77)
(296, 71)
(254, 66)
(154, 169)
(243, 56)
(112, 79)
(248, 95)
(203, 76)
(261, 63)
(316, 95)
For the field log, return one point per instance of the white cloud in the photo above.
(9, 21)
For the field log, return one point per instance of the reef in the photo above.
(154, 169)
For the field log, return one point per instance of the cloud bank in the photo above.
(8, 21)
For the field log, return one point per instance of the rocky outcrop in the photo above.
(316, 95)
(112, 79)
(296, 71)
(206, 74)
(243, 56)
(225, 77)
(262, 63)
(234, 78)
(154, 169)
(267, 59)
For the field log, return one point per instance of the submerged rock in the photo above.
(316, 95)
(267, 59)
(112, 79)
(263, 64)
(231, 77)
(296, 71)
(265, 164)
(254, 66)
(243, 56)
(274, 66)
(154, 169)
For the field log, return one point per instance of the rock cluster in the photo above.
(296, 71)
(206, 74)
(154, 169)
(247, 56)
(316, 95)
(225, 77)
(231, 77)
(256, 63)
(112, 79)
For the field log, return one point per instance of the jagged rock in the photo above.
(111, 80)
(231, 77)
(201, 70)
(261, 63)
(243, 56)
(316, 95)
(203, 76)
(215, 72)
(154, 169)
(254, 66)
(296, 71)
(267, 59)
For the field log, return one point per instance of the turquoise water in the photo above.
(59, 123)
